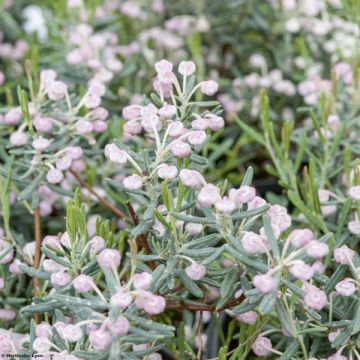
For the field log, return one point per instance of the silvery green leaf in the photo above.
(227, 285)
(343, 337)
(356, 320)
(94, 304)
(204, 241)
(34, 272)
(32, 335)
(151, 325)
(51, 255)
(115, 350)
(60, 190)
(249, 213)
(255, 264)
(27, 193)
(143, 257)
(337, 324)
(291, 286)
(189, 284)
(57, 339)
(246, 306)
(141, 353)
(247, 179)
(271, 237)
(284, 319)
(110, 280)
(267, 303)
(198, 253)
(211, 282)
(313, 313)
(337, 275)
(170, 266)
(291, 350)
(48, 306)
(88, 355)
(197, 159)
(150, 335)
(192, 219)
(142, 228)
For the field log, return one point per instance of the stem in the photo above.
(37, 224)
(106, 203)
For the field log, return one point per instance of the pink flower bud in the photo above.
(195, 271)
(75, 152)
(54, 176)
(192, 179)
(133, 127)
(41, 144)
(52, 242)
(167, 111)
(314, 298)
(109, 258)
(200, 124)
(253, 243)
(354, 192)
(265, 283)
(92, 101)
(100, 339)
(209, 87)
(52, 266)
(2, 78)
(14, 267)
(225, 205)
(133, 182)
(56, 90)
(132, 112)
(43, 330)
(302, 271)
(343, 255)
(119, 327)
(155, 305)
(279, 217)
(319, 267)
(18, 138)
(193, 229)
(121, 299)
(337, 356)
(83, 283)
(256, 203)
(7, 314)
(84, 127)
(316, 249)
(181, 149)
(215, 122)
(41, 345)
(64, 163)
(100, 126)
(72, 333)
(13, 116)
(142, 281)
(60, 279)
(354, 227)
(43, 124)
(2, 283)
(163, 66)
(242, 195)
(196, 137)
(114, 154)
(186, 68)
(300, 237)
(346, 287)
(249, 317)
(208, 195)
(97, 244)
(99, 113)
(47, 76)
(262, 346)
(167, 172)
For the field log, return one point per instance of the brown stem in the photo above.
(106, 203)
(178, 305)
(142, 239)
(37, 226)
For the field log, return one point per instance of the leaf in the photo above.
(192, 219)
(189, 284)
(336, 276)
(27, 193)
(267, 303)
(214, 256)
(255, 264)
(284, 319)
(249, 213)
(251, 132)
(291, 350)
(271, 237)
